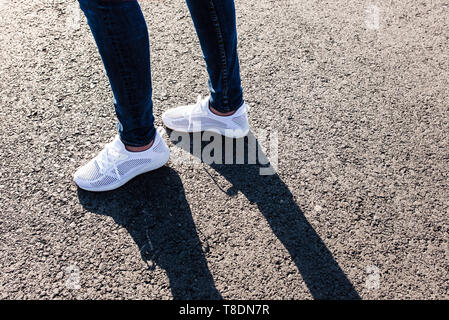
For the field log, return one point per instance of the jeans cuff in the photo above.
(228, 108)
(135, 140)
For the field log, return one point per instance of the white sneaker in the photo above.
(198, 117)
(114, 165)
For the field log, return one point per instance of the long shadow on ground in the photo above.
(154, 211)
(321, 273)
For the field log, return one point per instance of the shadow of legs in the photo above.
(321, 273)
(154, 210)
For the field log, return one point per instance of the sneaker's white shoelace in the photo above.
(108, 159)
(196, 109)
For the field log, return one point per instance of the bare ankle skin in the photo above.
(139, 149)
(223, 114)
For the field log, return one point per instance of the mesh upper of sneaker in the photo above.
(180, 122)
(125, 167)
(115, 165)
(103, 182)
(90, 171)
(199, 115)
(241, 120)
(159, 147)
(212, 123)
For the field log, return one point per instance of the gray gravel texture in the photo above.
(358, 95)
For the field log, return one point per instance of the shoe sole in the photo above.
(122, 182)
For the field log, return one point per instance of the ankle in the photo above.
(139, 149)
(222, 114)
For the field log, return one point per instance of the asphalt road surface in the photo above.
(352, 97)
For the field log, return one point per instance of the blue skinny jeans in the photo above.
(121, 35)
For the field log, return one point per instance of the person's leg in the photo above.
(215, 24)
(121, 34)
